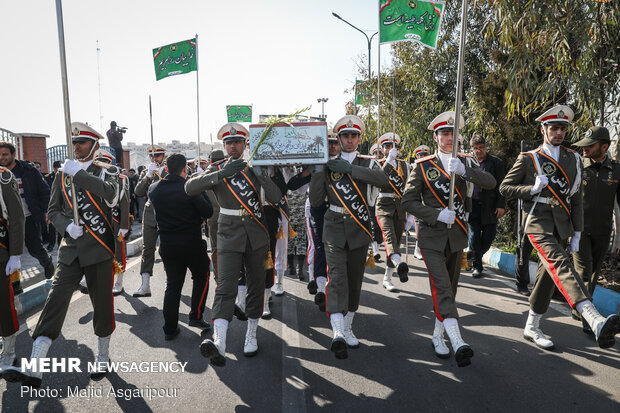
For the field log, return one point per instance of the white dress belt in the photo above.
(387, 195)
(338, 209)
(234, 212)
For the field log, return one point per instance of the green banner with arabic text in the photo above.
(175, 59)
(239, 113)
(417, 20)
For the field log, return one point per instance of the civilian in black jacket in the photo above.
(179, 218)
(35, 195)
(487, 205)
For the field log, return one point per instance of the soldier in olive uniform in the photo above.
(427, 198)
(155, 172)
(548, 180)
(87, 248)
(389, 211)
(241, 238)
(348, 227)
(601, 186)
(12, 223)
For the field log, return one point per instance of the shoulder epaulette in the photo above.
(122, 176)
(425, 158)
(3, 169)
(465, 155)
(366, 156)
(569, 149)
(219, 162)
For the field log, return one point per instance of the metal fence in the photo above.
(59, 153)
(8, 136)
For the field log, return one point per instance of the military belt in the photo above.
(339, 210)
(234, 212)
(387, 195)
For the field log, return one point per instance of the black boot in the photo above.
(291, 264)
(300, 267)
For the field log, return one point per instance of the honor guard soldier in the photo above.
(389, 211)
(427, 197)
(377, 236)
(348, 226)
(548, 180)
(601, 186)
(241, 238)
(87, 248)
(12, 222)
(155, 172)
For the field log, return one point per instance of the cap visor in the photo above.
(585, 142)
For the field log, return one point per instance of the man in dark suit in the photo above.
(487, 205)
(179, 218)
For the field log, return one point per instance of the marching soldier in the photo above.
(155, 172)
(419, 152)
(215, 156)
(548, 180)
(389, 211)
(377, 236)
(12, 223)
(87, 248)
(426, 197)
(348, 226)
(241, 238)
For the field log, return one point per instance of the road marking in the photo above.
(33, 319)
(293, 385)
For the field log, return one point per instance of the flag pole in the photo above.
(459, 98)
(151, 119)
(65, 95)
(197, 101)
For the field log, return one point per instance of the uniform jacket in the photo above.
(142, 187)
(341, 229)
(16, 219)
(419, 201)
(86, 247)
(388, 206)
(546, 218)
(234, 231)
(491, 199)
(36, 190)
(599, 190)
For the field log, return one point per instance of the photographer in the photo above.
(115, 136)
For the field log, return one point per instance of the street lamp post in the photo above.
(322, 102)
(368, 39)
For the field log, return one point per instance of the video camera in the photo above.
(122, 129)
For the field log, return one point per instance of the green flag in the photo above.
(239, 113)
(175, 59)
(416, 20)
(362, 92)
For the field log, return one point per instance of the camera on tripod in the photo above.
(122, 129)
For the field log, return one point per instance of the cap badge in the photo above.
(588, 133)
(349, 124)
(450, 121)
(76, 132)
(233, 131)
(561, 114)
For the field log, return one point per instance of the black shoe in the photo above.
(49, 270)
(339, 348)
(209, 350)
(586, 327)
(607, 335)
(240, 314)
(523, 290)
(83, 290)
(476, 273)
(378, 258)
(402, 271)
(172, 336)
(312, 287)
(319, 299)
(98, 375)
(300, 272)
(463, 356)
(199, 323)
(16, 376)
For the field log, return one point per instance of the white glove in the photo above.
(455, 165)
(70, 167)
(152, 168)
(199, 170)
(541, 182)
(13, 265)
(409, 222)
(122, 232)
(391, 158)
(74, 231)
(446, 216)
(574, 243)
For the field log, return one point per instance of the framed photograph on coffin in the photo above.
(303, 143)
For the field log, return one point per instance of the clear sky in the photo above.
(278, 55)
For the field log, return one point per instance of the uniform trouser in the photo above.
(99, 278)
(377, 235)
(444, 269)
(344, 281)
(317, 215)
(480, 236)
(212, 225)
(589, 259)
(271, 217)
(177, 260)
(229, 267)
(149, 242)
(33, 241)
(554, 268)
(522, 270)
(392, 230)
(119, 252)
(8, 315)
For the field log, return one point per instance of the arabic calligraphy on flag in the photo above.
(175, 59)
(417, 20)
(239, 113)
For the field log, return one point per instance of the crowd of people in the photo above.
(262, 221)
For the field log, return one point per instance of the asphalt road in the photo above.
(394, 369)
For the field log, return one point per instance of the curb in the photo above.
(134, 247)
(606, 301)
